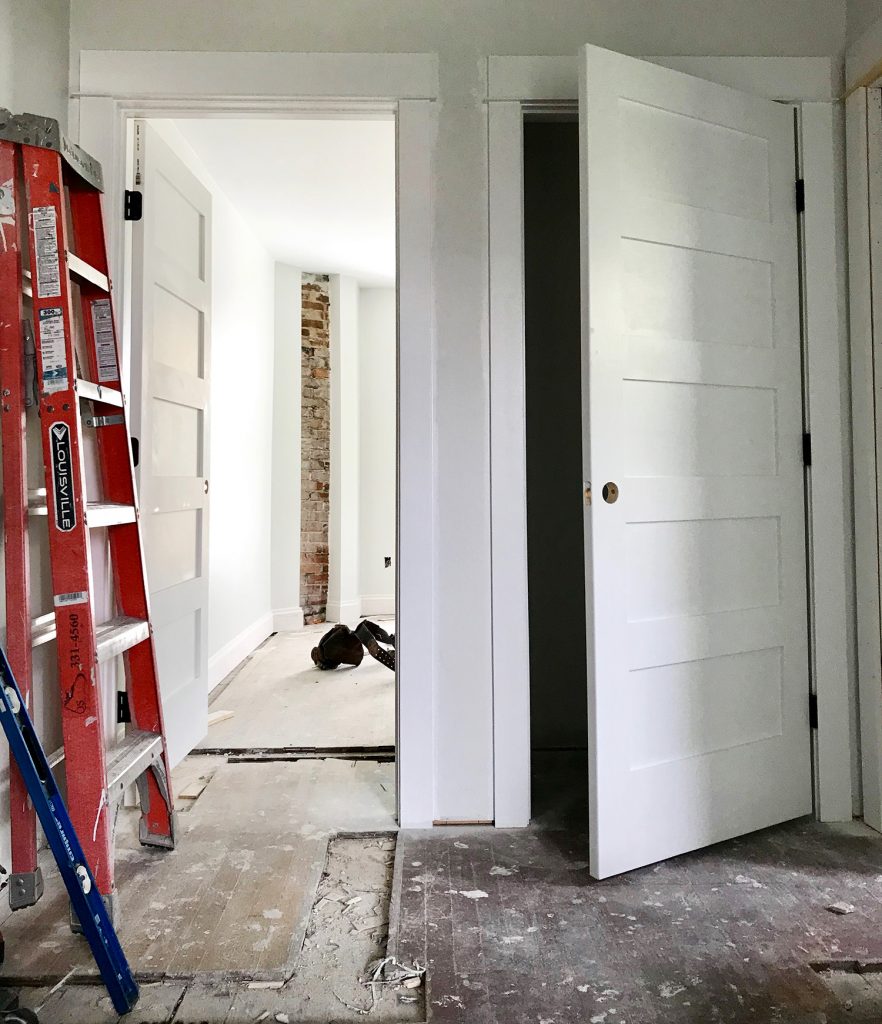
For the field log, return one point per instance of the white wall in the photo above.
(287, 613)
(344, 603)
(241, 423)
(34, 53)
(377, 357)
(463, 34)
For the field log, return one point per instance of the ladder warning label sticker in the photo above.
(46, 251)
(105, 346)
(77, 597)
(62, 477)
(52, 350)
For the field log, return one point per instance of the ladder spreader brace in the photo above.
(52, 244)
(27, 753)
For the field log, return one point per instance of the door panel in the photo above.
(171, 293)
(698, 684)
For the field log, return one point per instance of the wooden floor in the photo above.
(514, 931)
(236, 894)
(280, 699)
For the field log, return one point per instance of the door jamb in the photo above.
(117, 86)
(519, 83)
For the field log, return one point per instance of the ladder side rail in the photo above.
(118, 479)
(29, 756)
(70, 555)
(25, 885)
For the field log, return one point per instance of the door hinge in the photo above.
(807, 449)
(813, 710)
(133, 208)
(800, 195)
(123, 711)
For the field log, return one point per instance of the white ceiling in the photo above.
(319, 194)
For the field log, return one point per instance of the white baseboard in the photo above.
(221, 664)
(378, 604)
(287, 620)
(343, 611)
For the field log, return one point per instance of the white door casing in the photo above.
(171, 296)
(696, 574)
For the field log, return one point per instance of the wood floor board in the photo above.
(727, 934)
(236, 893)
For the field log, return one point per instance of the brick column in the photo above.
(315, 447)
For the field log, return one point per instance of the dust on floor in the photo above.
(513, 930)
(235, 895)
(347, 931)
(280, 699)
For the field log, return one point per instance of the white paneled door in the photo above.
(695, 536)
(171, 291)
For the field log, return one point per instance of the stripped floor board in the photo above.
(237, 892)
(514, 930)
(280, 699)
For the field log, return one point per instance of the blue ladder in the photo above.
(84, 896)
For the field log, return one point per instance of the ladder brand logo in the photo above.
(62, 477)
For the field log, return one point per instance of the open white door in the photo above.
(171, 294)
(698, 676)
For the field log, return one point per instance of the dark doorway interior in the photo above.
(556, 566)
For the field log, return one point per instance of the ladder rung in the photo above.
(118, 635)
(108, 513)
(128, 761)
(97, 393)
(55, 758)
(85, 273)
(112, 637)
(43, 629)
(98, 513)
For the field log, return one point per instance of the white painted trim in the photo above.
(866, 468)
(343, 611)
(287, 620)
(102, 121)
(235, 651)
(826, 330)
(416, 533)
(802, 79)
(156, 73)
(508, 460)
(553, 81)
(377, 604)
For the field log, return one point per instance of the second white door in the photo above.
(171, 342)
(695, 539)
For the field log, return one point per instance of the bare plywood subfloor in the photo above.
(513, 928)
(281, 699)
(236, 893)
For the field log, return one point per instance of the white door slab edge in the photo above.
(864, 433)
(102, 124)
(522, 82)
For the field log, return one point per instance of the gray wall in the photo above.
(558, 689)
(861, 15)
(34, 55)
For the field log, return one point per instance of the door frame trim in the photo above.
(519, 84)
(118, 86)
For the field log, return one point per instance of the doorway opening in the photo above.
(295, 351)
(555, 560)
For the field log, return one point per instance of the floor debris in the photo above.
(841, 908)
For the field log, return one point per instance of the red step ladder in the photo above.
(51, 190)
